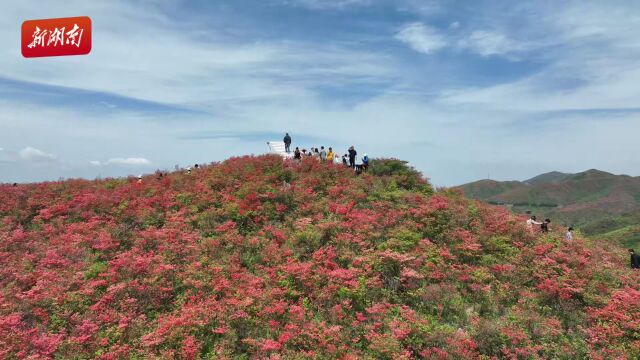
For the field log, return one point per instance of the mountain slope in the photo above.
(623, 229)
(258, 257)
(548, 178)
(569, 198)
(487, 189)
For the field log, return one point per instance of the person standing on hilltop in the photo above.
(531, 222)
(365, 162)
(635, 259)
(330, 154)
(358, 162)
(352, 156)
(323, 153)
(287, 143)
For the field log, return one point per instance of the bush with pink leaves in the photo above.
(257, 257)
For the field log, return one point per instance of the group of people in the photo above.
(532, 222)
(544, 226)
(350, 158)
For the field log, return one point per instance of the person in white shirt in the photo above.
(358, 164)
(531, 222)
(569, 235)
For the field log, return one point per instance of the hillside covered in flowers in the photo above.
(259, 258)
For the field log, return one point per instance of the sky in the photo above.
(463, 90)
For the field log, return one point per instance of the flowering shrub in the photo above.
(259, 258)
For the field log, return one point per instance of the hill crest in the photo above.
(257, 257)
(550, 177)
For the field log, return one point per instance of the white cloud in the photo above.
(591, 63)
(488, 43)
(133, 161)
(427, 40)
(130, 161)
(421, 38)
(32, 154)
(325, 4)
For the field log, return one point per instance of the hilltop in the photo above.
(549, 178)
(257, 257)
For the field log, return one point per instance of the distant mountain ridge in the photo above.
(550, 177)
(569, 199)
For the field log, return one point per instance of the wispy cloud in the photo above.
(32, 154)
(487, 43)
(130, 161)
(421, 38)
(325, 4)
(427, 40)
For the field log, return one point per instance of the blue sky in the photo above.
(461, 89)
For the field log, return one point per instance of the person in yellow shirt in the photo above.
(330, 154)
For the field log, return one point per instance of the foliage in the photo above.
(259, 258)
(623, 230)
(401, 173)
